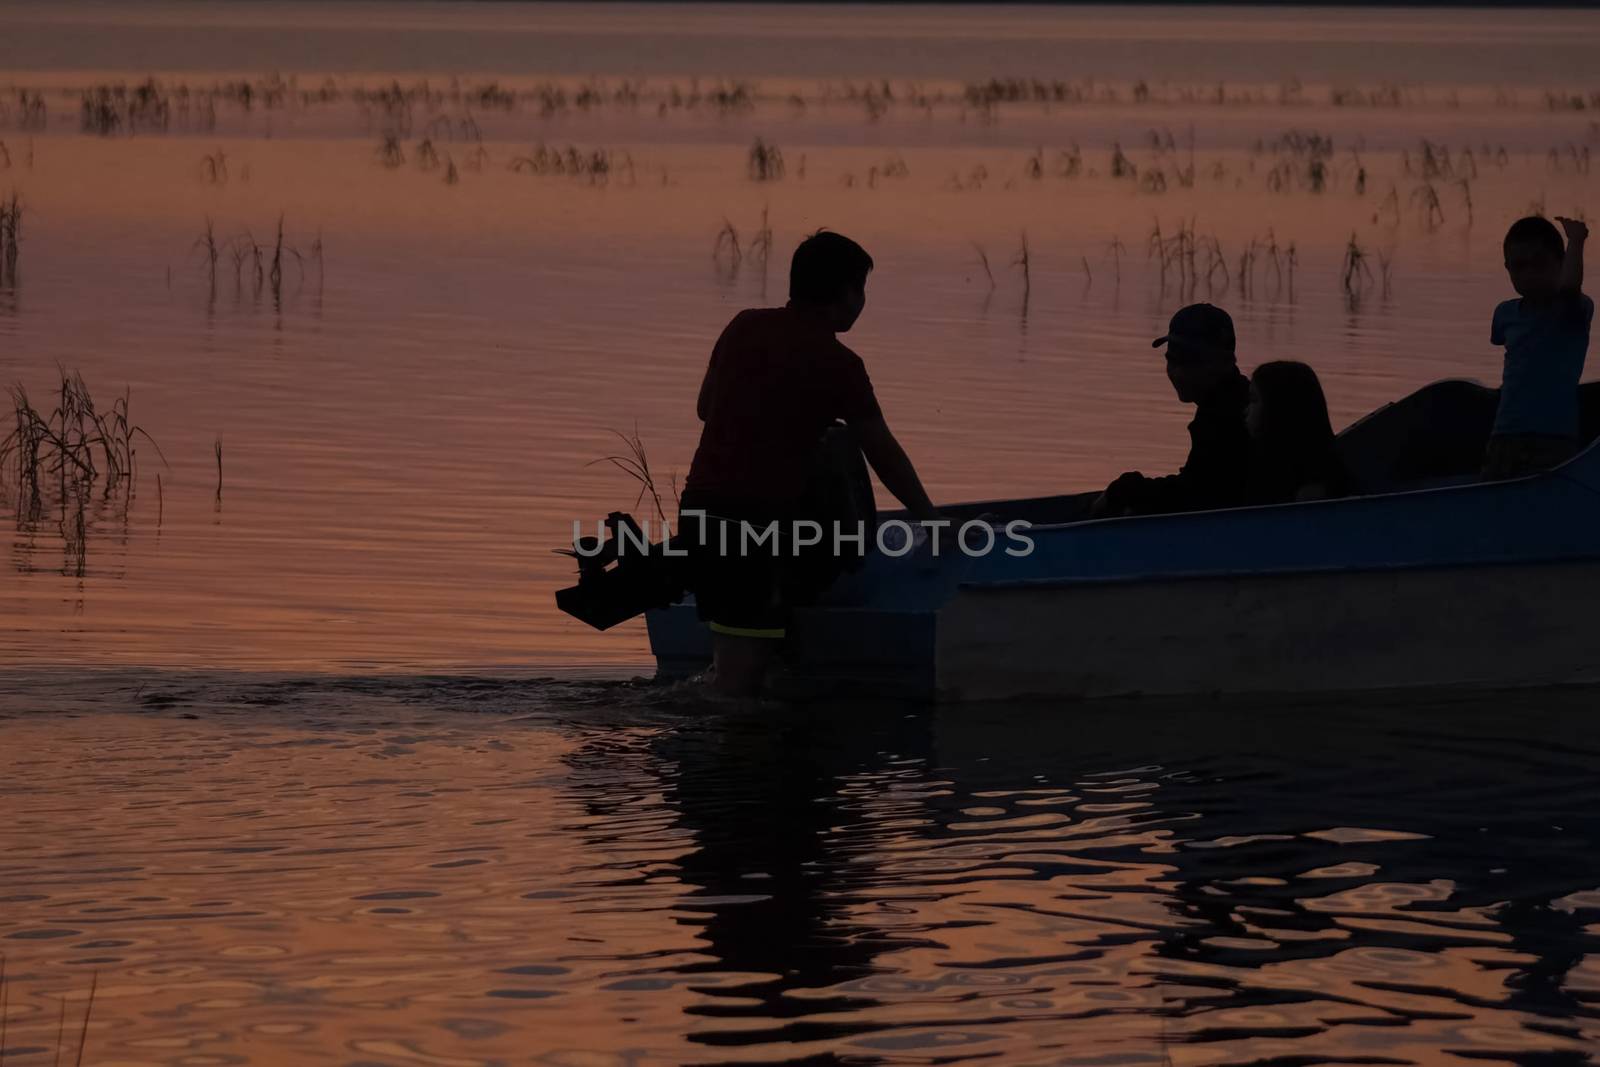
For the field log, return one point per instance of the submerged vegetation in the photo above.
(765, 162)
(264, 264)
(595, 165)
(63, 461)
(1355, 274)
(728, 253)
(10, 236)
(61, 1020)
(457, 109)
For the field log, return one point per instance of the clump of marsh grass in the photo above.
(88, 1010)
(1355, 274)
(1259, 254)
(1215, 264)
(10, 235)
(1121, 165)
(446, 128)
(61, 1018)
(1247, 268)
(1302, 160)
(726, 253)
(32, 113)
(893, 167)
(116, 108)
(1112, 253)
(71, 447)
(1177, 254)
(635, 463)
(1033, 169)
(765, 162)
(1386, 272)
(983, 261)
(267, 262)
(214, 168)
(761, 243)
(760, 248)
(1569, 156)
(1430, 212)
(427, 155)
(59, 457)
(207, 245)
(1024, 262)
(594, 164)
(390, 154)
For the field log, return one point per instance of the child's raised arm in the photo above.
(1572, 265)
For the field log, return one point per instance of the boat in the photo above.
(1429, 578)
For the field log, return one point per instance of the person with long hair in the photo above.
(1293, 452)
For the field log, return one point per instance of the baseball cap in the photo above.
(1201, 329)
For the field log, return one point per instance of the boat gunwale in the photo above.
(1354, 499)
(1284, 572)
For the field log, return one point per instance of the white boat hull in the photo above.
(1511, 625)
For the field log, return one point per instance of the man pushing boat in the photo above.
(778, 380)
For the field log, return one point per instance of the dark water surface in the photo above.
(487, 871)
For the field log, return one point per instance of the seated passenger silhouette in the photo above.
(1293, 453)
(1204, 371)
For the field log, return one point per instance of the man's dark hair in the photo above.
(826, 266)
(1539, 232)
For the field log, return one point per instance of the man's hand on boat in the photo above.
(1113, 503)
(894, 469)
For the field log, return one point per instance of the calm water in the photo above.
(290, 818)
(467, 872)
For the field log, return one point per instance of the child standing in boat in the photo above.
(1546, 337)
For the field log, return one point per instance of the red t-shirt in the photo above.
(778, 378)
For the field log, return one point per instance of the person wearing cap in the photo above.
(1204, 370)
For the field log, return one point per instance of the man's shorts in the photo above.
(743, 582)
(746, 581)
(738, 594)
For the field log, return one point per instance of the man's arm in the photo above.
(893, 466)
(1212, 477)
(1572, 264)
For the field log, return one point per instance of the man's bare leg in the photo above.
(741, 663)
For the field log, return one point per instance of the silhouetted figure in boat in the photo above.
(1546, 338)
(778, 380)
(1204, 370)
(1294, 455)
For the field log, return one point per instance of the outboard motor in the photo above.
(622, 575)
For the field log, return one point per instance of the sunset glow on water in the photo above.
(302, 762)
